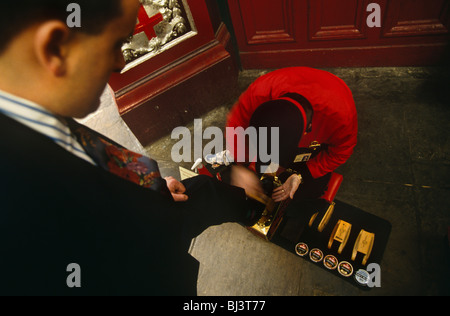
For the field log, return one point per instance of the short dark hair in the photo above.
(17, 15)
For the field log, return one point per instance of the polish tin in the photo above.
(330, 262)
(362, 277)
(345, 269)
(301, 249)
(316, 255)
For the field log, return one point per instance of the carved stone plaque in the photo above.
(161, 24)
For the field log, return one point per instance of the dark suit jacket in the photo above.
(56, 209)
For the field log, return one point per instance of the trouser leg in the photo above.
(211, 203)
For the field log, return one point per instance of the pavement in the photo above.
(399, 171)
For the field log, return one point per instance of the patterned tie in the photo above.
(118, 160)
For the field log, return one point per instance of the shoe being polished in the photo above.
(254, 212)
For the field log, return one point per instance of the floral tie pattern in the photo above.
(118, 160)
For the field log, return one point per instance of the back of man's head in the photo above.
(17, 16)
(59, 66)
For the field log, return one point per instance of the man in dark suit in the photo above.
(58, 206)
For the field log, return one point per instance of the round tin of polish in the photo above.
(362, 277)
(316, 255)
(330, 262)
(301, 249)
(345, 269)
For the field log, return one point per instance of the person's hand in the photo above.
(177, 189)
(287, 190)
(247, 180)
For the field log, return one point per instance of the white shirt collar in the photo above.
(42, 121)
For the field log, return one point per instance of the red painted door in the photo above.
(336, 33)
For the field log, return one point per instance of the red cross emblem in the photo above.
(147, 24)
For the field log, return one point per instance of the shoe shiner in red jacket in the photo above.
(315, 118)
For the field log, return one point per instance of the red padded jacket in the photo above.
(334, 121)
